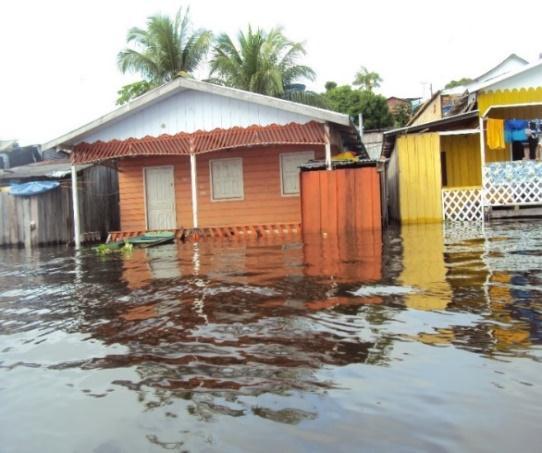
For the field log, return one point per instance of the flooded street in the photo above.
(418, 339)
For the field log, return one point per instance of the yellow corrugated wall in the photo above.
(462, 160)
(420, 178)
(509, 97)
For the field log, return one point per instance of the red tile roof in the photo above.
(199, 142)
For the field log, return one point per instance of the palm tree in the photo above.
(167, 48)
(260, 61)
(367, 79)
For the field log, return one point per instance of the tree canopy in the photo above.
(457, 83)
(345, 99)
(401, 114)
(167, 48)
(132, 90)
(367, 80)
(259, 61)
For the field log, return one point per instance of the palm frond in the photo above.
(165, 48)
(260, 61)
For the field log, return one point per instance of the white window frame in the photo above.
(312, 153)
(218, 200)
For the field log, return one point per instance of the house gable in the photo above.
(187, 105)
(528, 78)
(508, 65)
(190, 111)
(430, 111)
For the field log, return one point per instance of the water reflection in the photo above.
(424, 268)
(284, 333)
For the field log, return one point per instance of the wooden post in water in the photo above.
(27, 223)
(75, 202)
(194, 184)
(328, 146)
(482, 164)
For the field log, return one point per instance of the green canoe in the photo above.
(149, 239)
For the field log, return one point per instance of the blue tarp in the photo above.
(28, 189)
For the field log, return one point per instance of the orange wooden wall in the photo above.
(263, 201)
(339, 201)
(132, 190)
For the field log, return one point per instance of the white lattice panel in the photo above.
(513, 183)
(462, 205)
(513, 193)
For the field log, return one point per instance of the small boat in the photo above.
(149, 239)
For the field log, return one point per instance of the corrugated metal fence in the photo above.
(340, 201)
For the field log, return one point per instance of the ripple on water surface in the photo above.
(415, 339)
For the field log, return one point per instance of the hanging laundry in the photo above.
(517, 151)
(514, 130)
(533, 138)
(495, 134)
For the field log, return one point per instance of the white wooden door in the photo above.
(160, 198)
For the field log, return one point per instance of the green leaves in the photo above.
(367, 80)
(132, 90)
(260, 61)
(351, 101)
(165, 48)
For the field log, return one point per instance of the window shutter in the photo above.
(290, 164)
(227, 179)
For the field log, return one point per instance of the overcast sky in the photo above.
(59, 69)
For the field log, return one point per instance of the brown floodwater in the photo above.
(418, 339)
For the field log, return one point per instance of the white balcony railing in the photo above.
(517, 183)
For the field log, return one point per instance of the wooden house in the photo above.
(445, 169)
(455, 100)
(194, 155)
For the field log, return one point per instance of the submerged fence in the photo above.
(47, 218)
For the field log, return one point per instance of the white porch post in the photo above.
(194, 184)
(328, 146)
(483, 164)
(75, 202)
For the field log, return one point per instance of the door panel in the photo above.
(160, 196)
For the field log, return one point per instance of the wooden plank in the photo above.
(377, 199)
(324, 200)
(310, 202)
(343, 211)
(2, 218)
(34, 221)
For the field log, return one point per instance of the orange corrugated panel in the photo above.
(343, 201)
(328, 191)
(377, 200)
(310, 202)
(198, 142)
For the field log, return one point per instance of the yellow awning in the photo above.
(525, 103)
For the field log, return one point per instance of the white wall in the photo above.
(528, 79)
(189, 111)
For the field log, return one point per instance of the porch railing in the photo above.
(517, 183)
